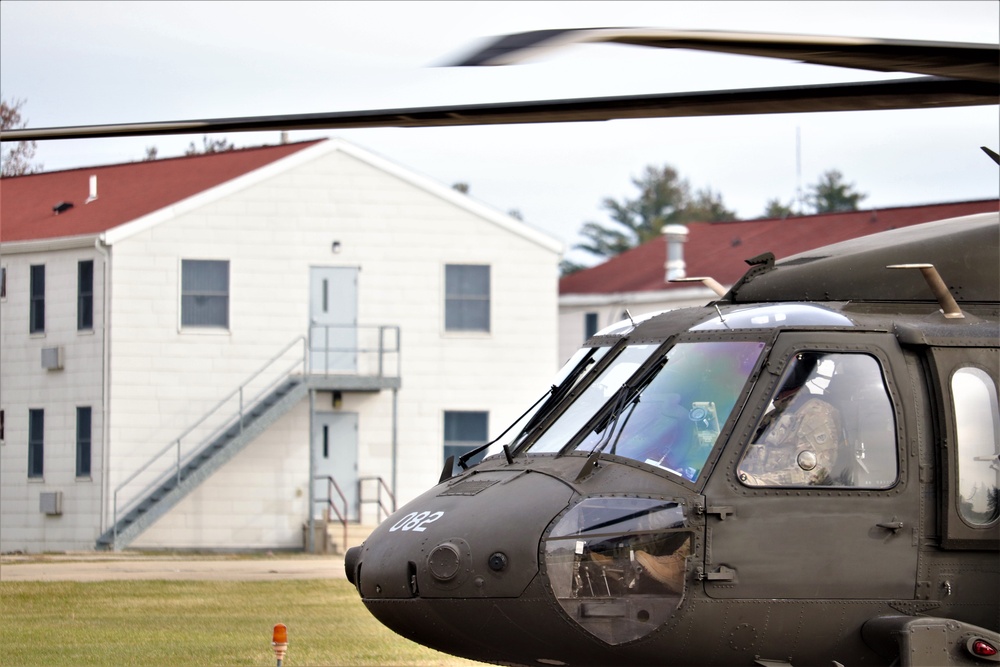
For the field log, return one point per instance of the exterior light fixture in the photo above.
(279, 642)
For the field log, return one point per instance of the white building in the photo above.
(186, 341)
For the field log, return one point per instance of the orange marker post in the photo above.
(279, 642)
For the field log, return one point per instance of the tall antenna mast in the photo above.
(798, 168)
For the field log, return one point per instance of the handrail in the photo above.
(237, 418)
(173, 466)
(378, 495)
(331, 485)
(380, 346)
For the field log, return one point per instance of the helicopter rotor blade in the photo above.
(921, 92)
(961, 75)
(974, 62)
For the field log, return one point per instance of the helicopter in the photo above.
(776, 478)
(805, 470)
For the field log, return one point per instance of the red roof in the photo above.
(125, 192)
(719, 249)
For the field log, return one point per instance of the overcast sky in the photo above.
(78, 63)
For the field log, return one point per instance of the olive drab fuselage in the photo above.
(788, 480)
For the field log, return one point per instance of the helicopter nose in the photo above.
(474, 537)
(351, 561)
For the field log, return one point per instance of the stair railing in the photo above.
(175, 464)
(372, 349)
(380, 486)
(331, 486)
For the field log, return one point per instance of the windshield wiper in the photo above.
(611, 432)
(463, 459)
(628, 395)
(558, 393)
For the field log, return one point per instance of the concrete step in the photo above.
(334, 534)
(356, 534)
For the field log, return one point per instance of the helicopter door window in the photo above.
(829, 424)
(976, 414)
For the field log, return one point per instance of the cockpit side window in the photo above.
(974, 400)
(829, 424)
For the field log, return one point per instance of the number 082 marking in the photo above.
(416, 521)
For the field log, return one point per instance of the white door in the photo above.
(335, 446)
(333, 319)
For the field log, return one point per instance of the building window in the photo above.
(589, 325)
(977, 431)
(464, 431)
(36, 321)
(467, 298)
(83, 431)
(36, 443)
(205, 293)
(85, 295)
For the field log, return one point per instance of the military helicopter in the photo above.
(803, 471)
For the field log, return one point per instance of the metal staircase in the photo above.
(217, 437)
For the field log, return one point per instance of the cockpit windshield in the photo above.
(667, 415)
(592, 399)
(569, 375)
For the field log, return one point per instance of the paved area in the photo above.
(89, 566)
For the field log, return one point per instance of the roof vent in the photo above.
(676, 236)
(62, 206)
(93, 189)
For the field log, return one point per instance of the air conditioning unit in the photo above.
(50, 502)
(52, 358)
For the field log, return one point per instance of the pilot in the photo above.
(797, 443)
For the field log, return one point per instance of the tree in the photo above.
(706, 206)
(461, 187)
(209, 146)
(775, 209)
(151, 153)
(17, 160)
(664, 198)
(567, 267)
(831, 195)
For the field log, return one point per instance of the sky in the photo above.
(79, 63)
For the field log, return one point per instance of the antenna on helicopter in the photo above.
(992, 154)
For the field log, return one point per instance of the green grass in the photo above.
(197, 623)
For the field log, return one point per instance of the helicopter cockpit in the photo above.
(618, 565)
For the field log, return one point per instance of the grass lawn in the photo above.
(197, 623)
